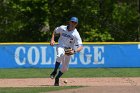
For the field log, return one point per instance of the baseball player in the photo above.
(69, 43)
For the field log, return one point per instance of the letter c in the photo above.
(18, 57)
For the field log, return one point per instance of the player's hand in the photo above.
(72, 52)
(52, 42)
(69, 51)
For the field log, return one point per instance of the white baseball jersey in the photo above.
(68, 38)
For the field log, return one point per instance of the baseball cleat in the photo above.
(56, 83)
(52, 75)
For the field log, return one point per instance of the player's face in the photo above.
(73, 24)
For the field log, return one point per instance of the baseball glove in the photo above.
(68, 51)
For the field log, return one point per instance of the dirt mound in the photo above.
(96, 85)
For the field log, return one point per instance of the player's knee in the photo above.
(60, 58)
(64, 69)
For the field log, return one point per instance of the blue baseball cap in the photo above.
(74, 19)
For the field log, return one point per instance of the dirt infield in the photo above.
(98, 85)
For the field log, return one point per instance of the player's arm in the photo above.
(52, 42)
(56, 31)
(79, 49)
(79, 43)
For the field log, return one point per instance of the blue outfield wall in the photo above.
(40, 55)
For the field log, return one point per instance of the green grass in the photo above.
(25, 73)
(34, 89)
(72, 72)
(104, 72)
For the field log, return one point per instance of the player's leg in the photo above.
(52, 75)
(60, 54)
(65, 64)
(64, 68)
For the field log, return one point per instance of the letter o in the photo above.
(30, 55)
